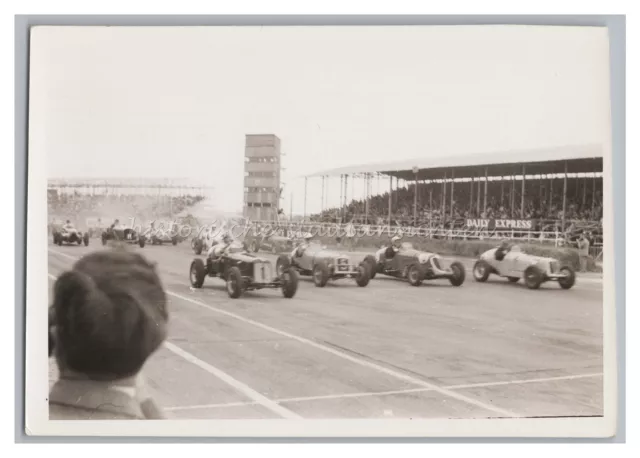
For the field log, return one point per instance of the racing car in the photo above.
(414, 265)
(70, 235)
(323, 265)
(510, 262)
(275, 243)
(165, 233)
(242, 271)
(123, 234)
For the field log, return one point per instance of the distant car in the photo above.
(510, 262)
(164, 233)
(323, 265)
(243, 271)
(414, 265)
(275, 243)
(204, 240)
(69, 236)
(123, 234)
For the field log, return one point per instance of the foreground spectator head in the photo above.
(108, 316)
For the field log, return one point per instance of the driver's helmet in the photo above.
(68, 222)
(226, 238)
(504, 245)
(307, 238)
(395, 241)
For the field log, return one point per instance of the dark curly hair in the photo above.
(108, 315)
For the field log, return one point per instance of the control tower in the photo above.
(261, 177)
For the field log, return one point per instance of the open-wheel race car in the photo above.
(274, 243)
(406, 262)
(242, 271)
(123, 234)
(313, 259)
(69, 235)
(163, 233)
(510, 262)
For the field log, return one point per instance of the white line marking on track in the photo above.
(386, 393)
(376, 367)
(237, 385)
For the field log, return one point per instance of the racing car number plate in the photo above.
(262, 272)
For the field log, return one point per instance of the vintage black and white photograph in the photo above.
(322, 223)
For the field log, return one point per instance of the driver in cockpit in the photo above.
(502, 250)
(304, 245)
(396, 242)
(218, 249)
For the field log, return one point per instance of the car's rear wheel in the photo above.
(282, 264)
(320, 274)
(104, 240)
(371, 260)
(197, 246)
(458, 274)
(414, 275)
(481, 270)
(364, 274)
(289, 283)
(569, 279)
(234, 283)
(513, 279)
(141, 241)
(533, 277)
(79, 241)
(86, 239)
(174, 240)
(197, 272)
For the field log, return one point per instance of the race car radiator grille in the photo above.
(342, 265)
(553, 267)
(261, 272)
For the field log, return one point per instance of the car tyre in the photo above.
(86, 239)
(533, 277)
(197, 272)
(373, 265)
(197, 246)
(282, 264)
(289, 283)
(414, 275)
(570, 279)
(104, 239)
(320, 274)
(481, 270)
(364, 274)
(458, 275)
(234, 283)
(141, 241)
(174, 240)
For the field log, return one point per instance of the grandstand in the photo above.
(554, 190)
(89, 199)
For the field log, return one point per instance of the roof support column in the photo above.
(584, 192)
(444, 196)
(593, 195)
(341, 194)
(367, 179)
(304, 214)
(344, 207)
(522, 193)
(452, 183)
(564, 197)
(390, 197)
(478, 198)
(512, 197)
(486, 183)
(415, 196)
(550, 193)
(471, 194)
(322, 198)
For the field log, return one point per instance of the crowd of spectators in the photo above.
(541, 205)
(69, 205)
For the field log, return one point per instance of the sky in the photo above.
(167, 102)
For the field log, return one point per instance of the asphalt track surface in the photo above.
(388, 350)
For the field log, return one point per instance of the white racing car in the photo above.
(510, 262)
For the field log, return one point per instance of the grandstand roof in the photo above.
(579, 159)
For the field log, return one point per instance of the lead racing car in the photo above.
(124, 234)
(69, 235)
(310, 258)
(405, 262)
(510, 262)
(242, 271)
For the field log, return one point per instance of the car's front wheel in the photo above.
(141, 241)
(289, 283)
(569, 278)
(197, 246)
(364, 274)
(197, 272)
(86, 239)
(234, 283)
(282, 264)
(481, 270)
(373, 265)
(320, 274)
